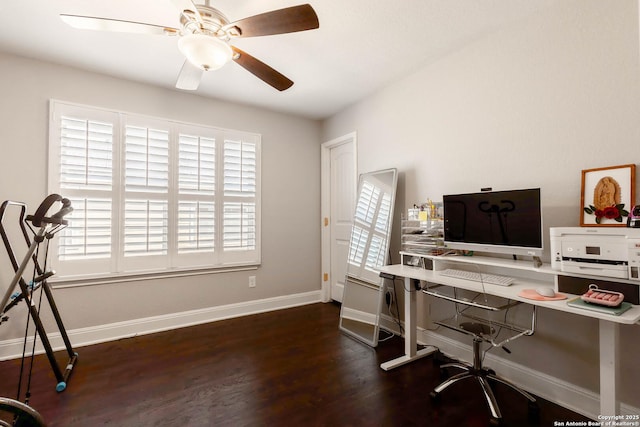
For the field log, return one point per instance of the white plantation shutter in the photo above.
(83, 149)
(383, 214)
(145, 227)
(146, 206)
(86, 154)
(367, 246)
(86, 164)
(239, 169)
(197, 165)
(357, 246)
(89, 232)
(367, 204)
(152, 195)
(146, 160)
(240, 186)
(196, 193)
(375, 256)
(239, 226)
(196, 226)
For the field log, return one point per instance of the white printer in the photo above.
(597, 251)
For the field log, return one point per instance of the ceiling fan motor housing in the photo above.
(213, 23)
(204, 39)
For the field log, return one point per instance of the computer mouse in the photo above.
(546, 292)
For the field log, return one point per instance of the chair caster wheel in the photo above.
(497, 422)
(434, 396)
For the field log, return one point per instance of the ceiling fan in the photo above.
(204, 37)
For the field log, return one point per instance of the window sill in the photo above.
(81, 281)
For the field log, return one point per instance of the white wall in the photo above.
(290, 191)
(530, 106)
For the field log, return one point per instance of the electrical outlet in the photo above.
(252, 281)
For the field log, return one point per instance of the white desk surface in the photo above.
(631, 316)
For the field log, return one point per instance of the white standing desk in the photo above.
(534, 278)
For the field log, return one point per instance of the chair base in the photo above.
(483, 376)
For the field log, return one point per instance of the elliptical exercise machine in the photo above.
(42, 227)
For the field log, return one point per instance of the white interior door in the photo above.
(339, 168)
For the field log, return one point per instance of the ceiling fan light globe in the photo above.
(205, 52)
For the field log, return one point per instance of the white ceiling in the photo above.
(360, 47)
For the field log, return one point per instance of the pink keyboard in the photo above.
(602, 297)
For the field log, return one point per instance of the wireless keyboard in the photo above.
(493, 279)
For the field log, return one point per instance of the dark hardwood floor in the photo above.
(286, 368)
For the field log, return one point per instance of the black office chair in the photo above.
(468, 319)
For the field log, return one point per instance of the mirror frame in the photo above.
(360, 318)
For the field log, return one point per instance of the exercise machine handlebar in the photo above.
(39, 217)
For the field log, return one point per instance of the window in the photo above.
(152, 195)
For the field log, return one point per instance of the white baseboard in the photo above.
(12, 349)
(567, 395)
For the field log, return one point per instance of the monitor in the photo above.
(505, 222)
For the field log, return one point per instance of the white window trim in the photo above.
(118, 265)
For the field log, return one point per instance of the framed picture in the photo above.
(608, 194)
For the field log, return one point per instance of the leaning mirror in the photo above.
(368, 251)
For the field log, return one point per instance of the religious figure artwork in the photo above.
(607, 195)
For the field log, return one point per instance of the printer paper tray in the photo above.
(607, 270)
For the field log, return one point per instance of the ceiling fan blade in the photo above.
(183, 5)
(105, 24)
(189, 77)
(288, 20)
(261, 70)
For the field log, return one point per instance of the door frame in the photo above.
(325, 204)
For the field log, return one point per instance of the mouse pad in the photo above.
(532, 294)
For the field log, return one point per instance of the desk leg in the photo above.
(410, 331)
(609, 367)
